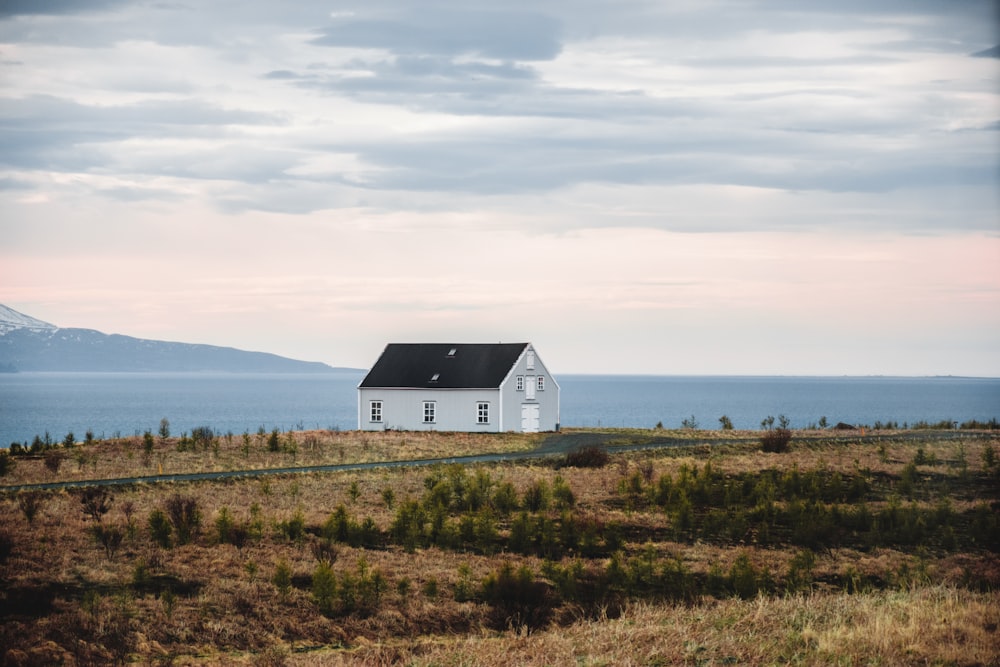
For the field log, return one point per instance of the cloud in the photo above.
(294, 110)
(988, 53)
(436, 31)
(33, 7)
(45, 132)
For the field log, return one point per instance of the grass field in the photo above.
(842, 550)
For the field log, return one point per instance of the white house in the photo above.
(459, 387)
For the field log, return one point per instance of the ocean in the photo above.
(118, 404)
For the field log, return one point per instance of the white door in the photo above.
(529, 388)
(529, 417)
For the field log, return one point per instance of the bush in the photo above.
(53, 459)
(537, 496)
(407, 527)
(505, 499)
(518, 599)
(30, 503)
(224, 525)
(6, 462)
(6, 545)
(776, 440)
(147, 445)
(96, 502)
(203, 436)
(294, 528)
(108, 536)
(591, 456)
(324, 588)
(800, 571)
(562, 493)
(744, 579)
(922, 458)
(160, 528)
(184, 516)
(282, 578)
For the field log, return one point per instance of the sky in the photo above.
(731, 187)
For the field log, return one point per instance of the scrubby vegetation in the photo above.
(659, 556)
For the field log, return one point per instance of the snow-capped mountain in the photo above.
(10, 319)
(29, 344)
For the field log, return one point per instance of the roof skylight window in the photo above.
(452, 351)
(434, 378)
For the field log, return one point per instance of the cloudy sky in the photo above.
(682, 187)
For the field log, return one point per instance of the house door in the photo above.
(529, 388)
(529, 417)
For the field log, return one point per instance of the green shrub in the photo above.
(464, 590)
(989, 456)
(293, 528)
(517, 597)
(430, 588)
(324, 588)
(537, 496)
(338, 526)
(744, 579)
(800, 571)
(505, 499)
(562, 493)
(282, 578)
(160, 528)
(922, 458)
(224, 525)
(407, 528)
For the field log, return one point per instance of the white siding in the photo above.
(403, 409)
(547, 399)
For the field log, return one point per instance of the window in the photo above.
(434, 378)
(452, 351)
(430, 407)
(520, 383)
(541, 383)
(375, 411)
(531, 360)
(482, 413)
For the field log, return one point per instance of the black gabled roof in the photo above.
(472, 366)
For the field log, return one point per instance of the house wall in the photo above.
(547, 399)
(455, 409)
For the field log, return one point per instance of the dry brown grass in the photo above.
(126, 457)
(934, 625)
(226, 610)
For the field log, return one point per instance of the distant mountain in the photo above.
(10, 319)
(29, 344)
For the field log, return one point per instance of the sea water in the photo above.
(119, 404)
